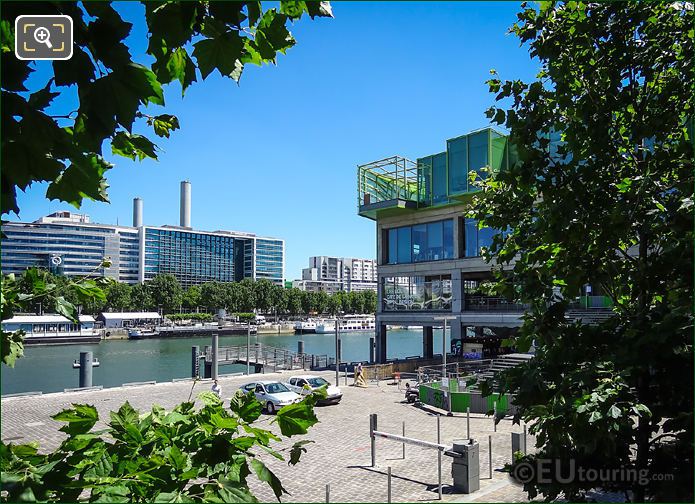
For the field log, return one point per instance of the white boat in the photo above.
(305, 326)
(349, 323)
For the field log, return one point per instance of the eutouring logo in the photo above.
(547, 471)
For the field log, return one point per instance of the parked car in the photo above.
(272, 395)
(304, 384)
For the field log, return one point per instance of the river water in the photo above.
(49, 368)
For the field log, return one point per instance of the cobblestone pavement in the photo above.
(340, 454)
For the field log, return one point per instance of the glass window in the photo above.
(477, 150)
(404, 245)
(448, 237)
(439, 179)
(485, 236)
(435, 241)
(471, 238)
(457, 152)
(420, 242)
(393, 246)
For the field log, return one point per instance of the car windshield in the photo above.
(317, 382)
(274, 388)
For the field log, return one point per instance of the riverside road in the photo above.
(340, 454)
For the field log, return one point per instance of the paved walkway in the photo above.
(340, 454)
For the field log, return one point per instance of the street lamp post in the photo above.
(444, 352)
(444, 380)
(337, 361)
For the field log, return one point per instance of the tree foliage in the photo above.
(610, 203)
(184, 455)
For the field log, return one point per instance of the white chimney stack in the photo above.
(185, 204)
(137, 212)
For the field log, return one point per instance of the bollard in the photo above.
(372, 428)
(328, 492)
(403, 443)
(388, 493)
(468, 422)
(494, 416)
(518, 444)
(300, 347)
(195, 362)
(439, 460)
(215, 352)
(465, 467)
(489, 454)
(85, 369)
(346, 375)
(340, 349)
(371, 350)
(525, 439)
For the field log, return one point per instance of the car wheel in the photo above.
(270, 408)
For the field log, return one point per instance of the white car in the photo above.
(304, 384)
(272, 395)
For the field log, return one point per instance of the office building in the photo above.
(333, 274)
(68, 243)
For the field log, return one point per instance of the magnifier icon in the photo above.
(43, 36)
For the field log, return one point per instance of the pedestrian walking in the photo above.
(216, 389)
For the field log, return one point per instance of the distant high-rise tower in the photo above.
(185, 203)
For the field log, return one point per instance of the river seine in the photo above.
(49, 368)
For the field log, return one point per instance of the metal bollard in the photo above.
(525, 452)
(468, 422)
(346, 374)
(328, 492)
(489, 454)
(494, 416)
(388, 493)
(439, 460)
(372, 428)
(403, 443)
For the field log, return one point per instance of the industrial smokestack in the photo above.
(185, 203)
(137, 212)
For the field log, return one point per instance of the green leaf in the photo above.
(12, 347)
(80, 419)
(297, 450)
(245, 406)
(219, 53)
(209, 398)
(164, 124)
(615, 412)
(42, 98)
(266, 475)
(82, 179)
(595, 416)
(133, 146)
(295, 418)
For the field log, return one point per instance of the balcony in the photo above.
(390, 186)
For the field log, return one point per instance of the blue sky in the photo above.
(277, 155)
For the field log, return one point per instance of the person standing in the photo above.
(216, 389)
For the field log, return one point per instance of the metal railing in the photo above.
(268, 356)
(391, 178)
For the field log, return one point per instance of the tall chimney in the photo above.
(185, 203)
(137, 212)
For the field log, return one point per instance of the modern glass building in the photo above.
(428, 252)
(68, 243)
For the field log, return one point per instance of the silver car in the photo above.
(305, 384)
(272, 395)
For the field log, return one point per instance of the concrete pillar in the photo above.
(457, 301)
(85, 369)
(372, 344)
(427, 342)
(380, 343)
(215, 354)
(195, 361)
(185, 208)
(137, 212)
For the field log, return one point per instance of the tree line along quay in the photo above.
(164, 293)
